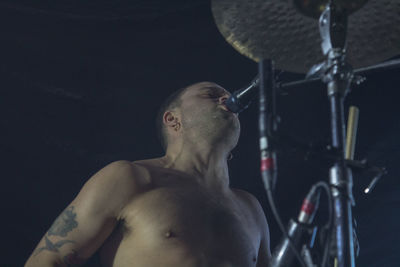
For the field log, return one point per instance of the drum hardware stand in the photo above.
(338, 75)
(292, 241)
(252, 30)
(357, 80)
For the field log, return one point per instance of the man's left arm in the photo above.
(264, 252)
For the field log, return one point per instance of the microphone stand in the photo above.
(267, 129)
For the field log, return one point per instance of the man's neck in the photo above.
(207, 165)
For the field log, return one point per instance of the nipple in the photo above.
(169, 234)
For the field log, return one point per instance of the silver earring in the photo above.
(230, 156)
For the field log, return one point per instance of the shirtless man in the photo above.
(174, 211)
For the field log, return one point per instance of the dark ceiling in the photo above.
(81, 82)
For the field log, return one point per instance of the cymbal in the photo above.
(275, 29)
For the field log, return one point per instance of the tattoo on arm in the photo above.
(64, 224)
(50, 246)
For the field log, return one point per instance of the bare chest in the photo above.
(194, 222)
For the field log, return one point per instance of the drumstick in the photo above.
(352, 124)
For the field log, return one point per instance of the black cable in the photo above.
(328, 225)
(268, 168)
(279, 221)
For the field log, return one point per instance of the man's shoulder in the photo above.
(126, 168)
(246, 197)
(122, 169)
(141, 172)
(117, 168)
(120, 174)
(252, 203)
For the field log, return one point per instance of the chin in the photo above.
(231, 134)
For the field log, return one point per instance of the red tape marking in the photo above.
(307, 207)
(267, 164)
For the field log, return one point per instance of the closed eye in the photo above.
(216, 92)
(214, 95)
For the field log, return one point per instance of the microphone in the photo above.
(241, 99)
(283, 255)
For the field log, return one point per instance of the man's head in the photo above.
(196, 114)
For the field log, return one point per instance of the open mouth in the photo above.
(225, 108)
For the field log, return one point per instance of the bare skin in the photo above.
(177, 210)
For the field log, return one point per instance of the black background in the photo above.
(80, 86)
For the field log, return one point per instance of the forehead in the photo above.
(201, 87)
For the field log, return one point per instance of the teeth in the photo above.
(225, 108)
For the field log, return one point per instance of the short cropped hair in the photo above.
(172, 101)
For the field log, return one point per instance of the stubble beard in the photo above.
(215, 127)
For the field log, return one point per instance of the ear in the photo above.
(171, 120)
